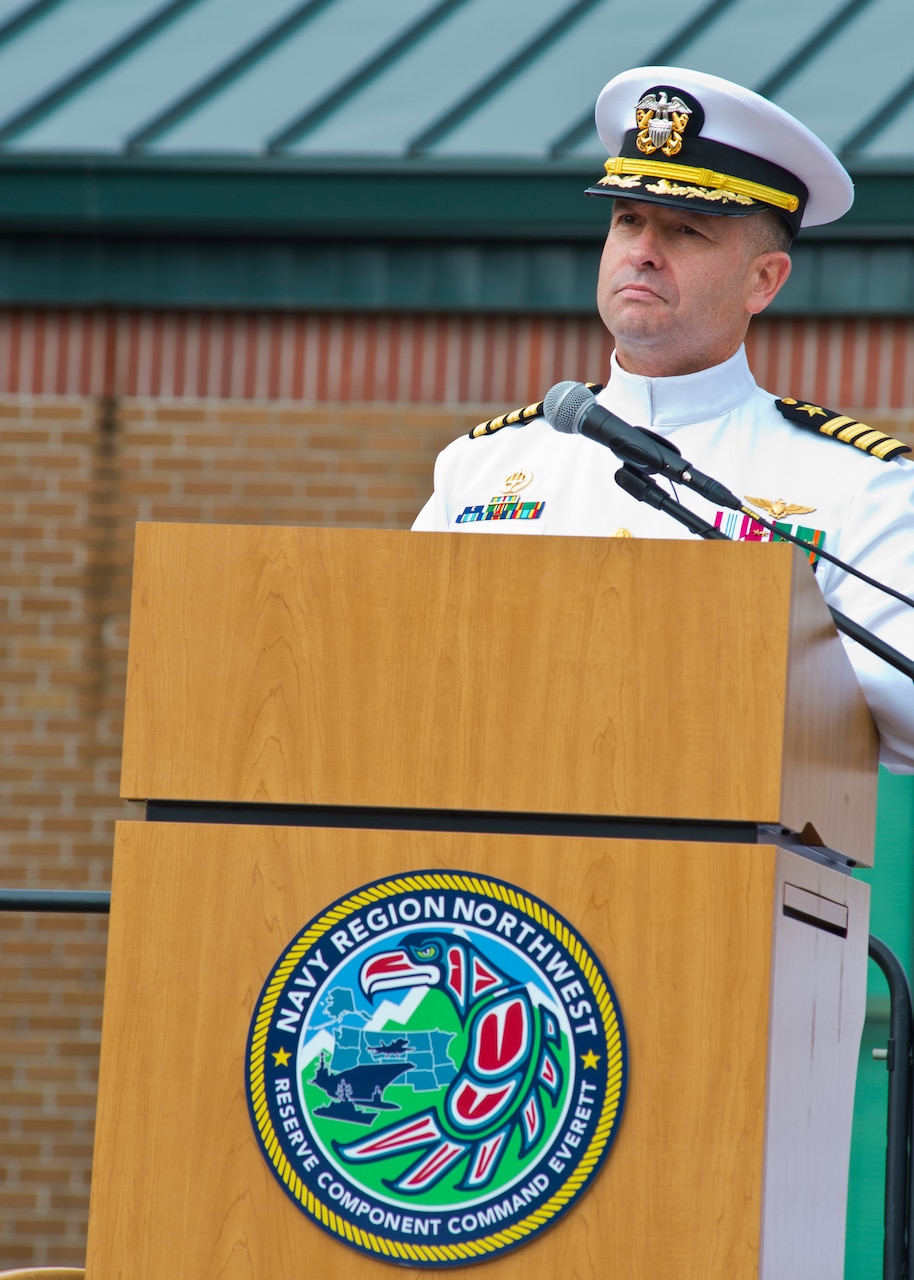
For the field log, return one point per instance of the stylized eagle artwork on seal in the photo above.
(509, 1065)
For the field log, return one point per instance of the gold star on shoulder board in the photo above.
(778, 508)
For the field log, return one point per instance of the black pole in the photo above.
(898, 1119)
(85, 900)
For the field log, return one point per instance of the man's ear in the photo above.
(767, 277)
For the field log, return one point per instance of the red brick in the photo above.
(60, 411)
(178, 413)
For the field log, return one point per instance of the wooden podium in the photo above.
(635, 732)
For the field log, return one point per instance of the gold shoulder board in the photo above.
(520, 417)
(848, 430)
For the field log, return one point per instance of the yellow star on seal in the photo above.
(590, 1059)
(281, 1057)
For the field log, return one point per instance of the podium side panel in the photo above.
(834, 791)
(818, 1006)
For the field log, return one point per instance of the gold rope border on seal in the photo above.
(703, 178)
(534, 1221)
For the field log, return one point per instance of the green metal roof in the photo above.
(427, 78)
(278, 125)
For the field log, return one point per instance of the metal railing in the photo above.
(898, 1060)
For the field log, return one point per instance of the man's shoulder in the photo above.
(841, 428)
(476, 454)
(519, 417)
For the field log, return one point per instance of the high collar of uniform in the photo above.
(679, 401)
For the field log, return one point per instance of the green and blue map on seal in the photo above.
(436, 1068)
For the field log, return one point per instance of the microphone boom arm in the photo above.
(641, 487)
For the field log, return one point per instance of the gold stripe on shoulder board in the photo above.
(812, 417)
(520, 416)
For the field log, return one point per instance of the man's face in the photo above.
(677, 289)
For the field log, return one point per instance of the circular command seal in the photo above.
(436, 1068)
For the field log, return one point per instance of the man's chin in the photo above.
(645, 311)
(639, 329)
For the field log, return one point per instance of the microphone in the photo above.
(569, 407)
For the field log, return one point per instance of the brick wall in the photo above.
(76, 476)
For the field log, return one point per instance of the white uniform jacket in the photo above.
(531, 479)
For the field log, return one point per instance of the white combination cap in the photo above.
(693, 140)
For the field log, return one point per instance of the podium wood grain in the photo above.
(694, 941)
(546, 675)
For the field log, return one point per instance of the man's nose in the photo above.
(646, 250)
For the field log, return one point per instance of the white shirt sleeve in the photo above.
(878, 538)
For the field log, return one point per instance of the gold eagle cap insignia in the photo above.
(778, 508)
(661, 123)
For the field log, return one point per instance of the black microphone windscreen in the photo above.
(564, 404)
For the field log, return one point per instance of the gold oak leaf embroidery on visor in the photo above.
(664, 188)
(616, 180)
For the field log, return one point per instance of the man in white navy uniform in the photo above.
(710, 182)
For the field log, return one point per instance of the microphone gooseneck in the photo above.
(570, 408)
(644, 489)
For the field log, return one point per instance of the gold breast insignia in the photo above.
(777, 508)
(516, 481)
